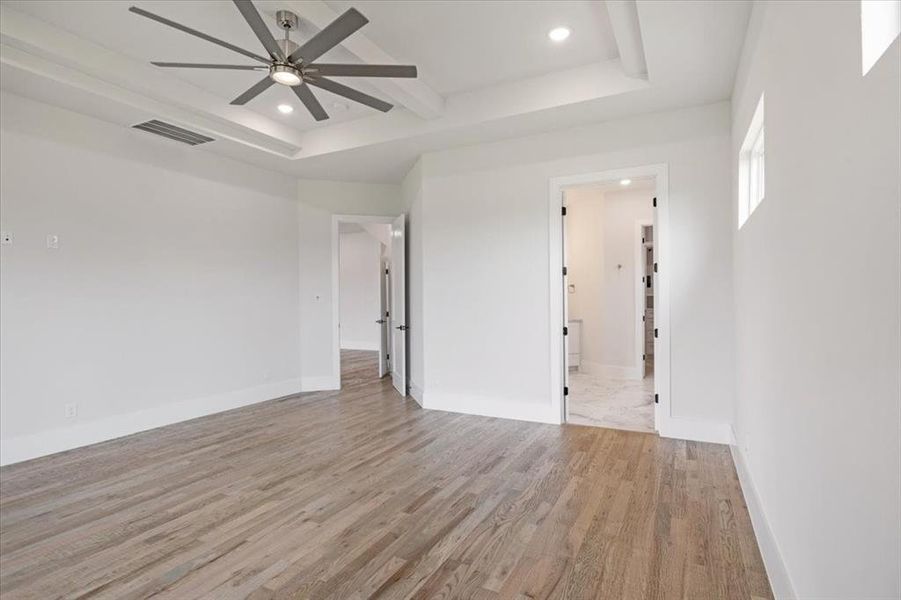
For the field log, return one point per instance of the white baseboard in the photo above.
(766, 541)
(612, 371)
(352, 345)
(30, 446)
(695, 430)
(416, 392)
(320, 383)
(491, 407)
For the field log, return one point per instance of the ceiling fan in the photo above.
(291, 64)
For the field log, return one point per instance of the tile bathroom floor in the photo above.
(603, 401)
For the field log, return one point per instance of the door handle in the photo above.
(381, 321)
(401, 327)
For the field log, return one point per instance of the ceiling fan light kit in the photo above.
(286, 75)
(294, 65)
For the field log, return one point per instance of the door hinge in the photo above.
(642, 318)
(566, 331)
(642, 279)
(644, 357)
(387, 357)
(642, 240)
(386, 271)
(387, 314)
(656, 398)
(655, 201)
(655, 332)
(564, 270)
(655, 267)
(563, 212)
(565, 390)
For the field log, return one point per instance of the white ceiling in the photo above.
(144, 40)
(462, 45)
(636, 184)
(487, 72)
(345, 227)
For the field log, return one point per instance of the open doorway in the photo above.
(368, 308)
(363, 304)
(609, 298)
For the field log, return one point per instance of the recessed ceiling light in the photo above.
(285, 109)
(625, 181)
(558, 34)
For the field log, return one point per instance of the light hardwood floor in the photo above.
(362, 494)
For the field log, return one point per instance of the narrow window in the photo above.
(752, 167)
(880, 24)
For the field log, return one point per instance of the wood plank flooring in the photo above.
(360, 494)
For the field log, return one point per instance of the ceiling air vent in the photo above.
(173, 132)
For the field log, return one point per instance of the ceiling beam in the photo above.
(413, 94)
(627, 31)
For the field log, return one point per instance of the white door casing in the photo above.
(663, 419)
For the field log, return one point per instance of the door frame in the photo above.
(558, 358)
(336, 291)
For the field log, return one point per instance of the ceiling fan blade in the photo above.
(250, 14)
(351, 94)
(306, 96)
(194, 32)
(179, 65)
(257, 88)
(334, 70)
(333, 34)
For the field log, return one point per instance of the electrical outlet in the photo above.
(6, 238)
(52, 241)
(71, 410)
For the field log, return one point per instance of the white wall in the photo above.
(601, 231)
(817, 305)
(485, 228)
(585, 257)
(173, 292)
(319, 200)
(359, 269)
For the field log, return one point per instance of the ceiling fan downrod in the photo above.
(288, 21)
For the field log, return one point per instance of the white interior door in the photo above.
(398, 319)
(384, 310)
